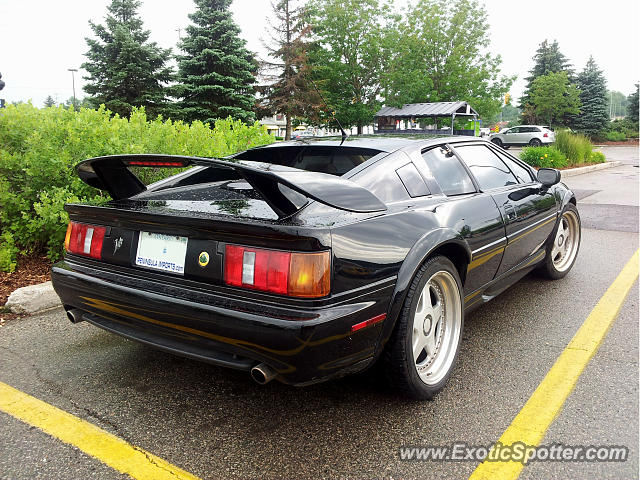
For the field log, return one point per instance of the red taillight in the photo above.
(83, 239)
(286, 273)
(149, 163)
(546, 135)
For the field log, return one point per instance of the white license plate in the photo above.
(162, 252)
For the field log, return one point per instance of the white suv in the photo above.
(523, 135)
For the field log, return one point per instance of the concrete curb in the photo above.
(589, 168)
(33, 298)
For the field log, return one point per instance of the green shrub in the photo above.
(615, 136)
(619, 131)
(597, 157)
(576, 147)
(543, 157)
(40, 147)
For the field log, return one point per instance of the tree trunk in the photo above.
(359, 129)
(287, 135)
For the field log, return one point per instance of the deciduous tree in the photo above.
(348, 58)
(442, 54)
(553, 98)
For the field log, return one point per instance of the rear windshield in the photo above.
(332, 160)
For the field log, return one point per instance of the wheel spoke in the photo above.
(419, 342)
(437, 312)
(430, 343)
(422, 310)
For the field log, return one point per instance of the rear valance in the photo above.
(112, 174)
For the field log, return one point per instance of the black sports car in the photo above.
(304, 261)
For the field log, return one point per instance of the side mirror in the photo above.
(548, 176)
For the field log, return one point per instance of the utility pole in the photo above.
(73, 83)
(179, 30)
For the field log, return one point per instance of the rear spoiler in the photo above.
(111, 173)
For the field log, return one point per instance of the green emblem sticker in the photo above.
(203, 259)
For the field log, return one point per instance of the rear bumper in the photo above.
(303, 343)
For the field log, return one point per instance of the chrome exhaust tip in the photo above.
(263, 374)
(74, 315)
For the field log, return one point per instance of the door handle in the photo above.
(511, 212)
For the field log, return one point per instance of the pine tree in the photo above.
(547, 59)
(594, 115)
(125, 69)
(290, 92)
(216, 73)
(49, 101)
(632, 107)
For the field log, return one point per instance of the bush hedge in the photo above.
(40, 147)
(543, 157)
(615, 136)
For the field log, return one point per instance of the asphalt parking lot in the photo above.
(217, 423)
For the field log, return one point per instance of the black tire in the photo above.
(496, 141)
(400, 368)
(506, 147)
(535, 142)
(552, 267)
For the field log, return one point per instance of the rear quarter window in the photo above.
(448, 172)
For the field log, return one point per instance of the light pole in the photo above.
(73, 83)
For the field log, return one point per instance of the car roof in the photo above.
(384, 143)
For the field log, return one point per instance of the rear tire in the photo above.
(535, 142)
(497, 141)
(563, 245)
(422, 351)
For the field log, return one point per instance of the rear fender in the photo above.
(417, 256)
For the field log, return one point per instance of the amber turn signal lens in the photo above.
(309, 274)
(68, 236)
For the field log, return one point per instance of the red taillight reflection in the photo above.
(286, 273)
(85, 239)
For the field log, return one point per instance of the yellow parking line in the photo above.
(532, 422)
(109, 449)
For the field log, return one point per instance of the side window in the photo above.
(522, 174)
(448, 172)
(489, 170)
(514, 130)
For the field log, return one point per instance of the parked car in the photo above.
(306, 261)
(485, 132)
(523, 135)
(302, 134)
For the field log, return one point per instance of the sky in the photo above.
(41, 39)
